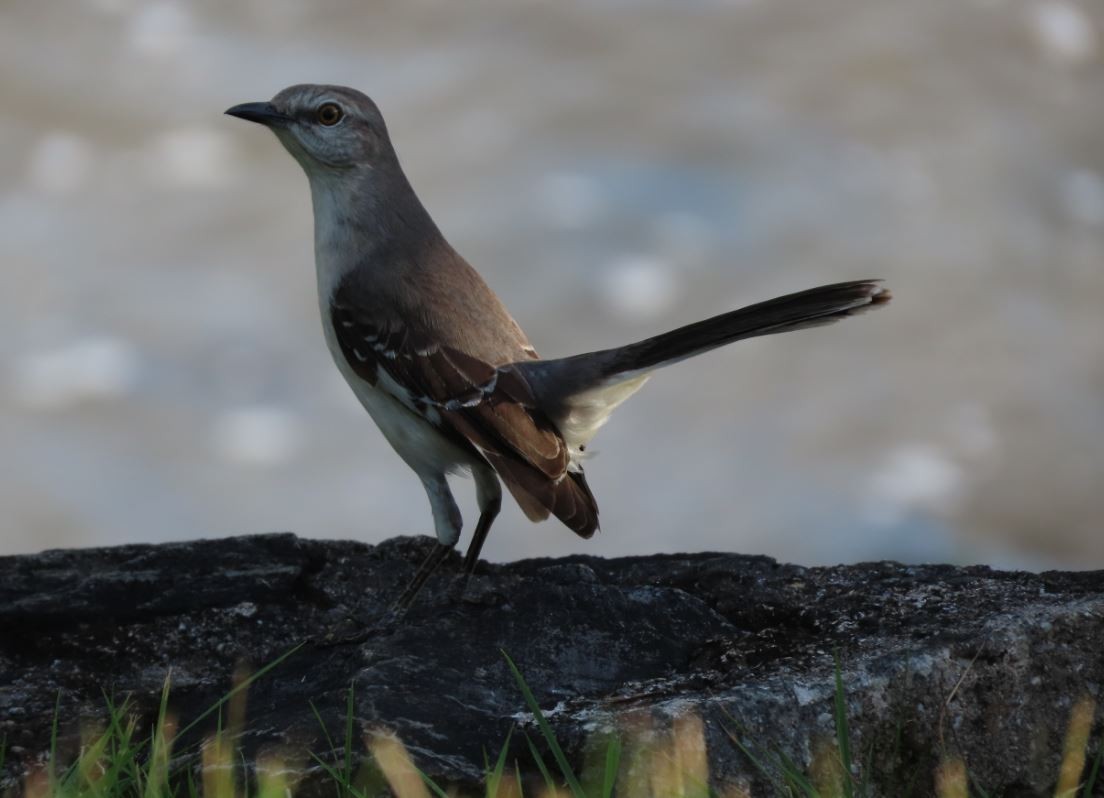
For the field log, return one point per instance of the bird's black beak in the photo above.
(261, 113)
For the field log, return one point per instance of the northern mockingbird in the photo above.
(433, 355)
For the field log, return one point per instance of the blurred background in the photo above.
(613, 169)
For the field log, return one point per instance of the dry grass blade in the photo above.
(218, 768)
(508, 787)
(37, 785)
(1073, 753)
(392, 757)
(676, 762)
(951, 780)
(157, 774)
(826, 770)
(688, 757)
(272, 779)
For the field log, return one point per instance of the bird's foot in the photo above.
(459, 588)
(469, 589)
(351, 632)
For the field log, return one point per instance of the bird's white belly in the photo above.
(415, 440)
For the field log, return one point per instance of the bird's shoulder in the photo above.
(437, 297)
(421, 351)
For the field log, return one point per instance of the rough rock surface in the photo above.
(936, 660)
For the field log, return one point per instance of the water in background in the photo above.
(613, 169)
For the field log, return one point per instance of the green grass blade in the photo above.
(433, 786)
(349, 736)
(843, 732)
(613, 765)
(122, 756)
(1090, 782)
(157, 768)
(863, 786)
(756, 762)
(546, 730)
(549, 782)
(795, 778)
(976, 789)
(338, 777)
(245, 683)
(494, 779)
(322, 725)
(53, 774)
(329, 739)
(89, 775)
(792, 777)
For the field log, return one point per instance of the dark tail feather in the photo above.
(554, 381)
(569, 498)
(810, 308)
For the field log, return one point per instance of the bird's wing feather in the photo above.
(491, 407)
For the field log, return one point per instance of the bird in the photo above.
(432, 353)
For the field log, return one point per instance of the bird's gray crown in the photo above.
(324, 127)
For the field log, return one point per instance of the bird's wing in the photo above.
(491, 407)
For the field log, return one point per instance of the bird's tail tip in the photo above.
(863, 294)
(879, 294)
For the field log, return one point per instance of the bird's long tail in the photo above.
(579, 392)
(798, 311)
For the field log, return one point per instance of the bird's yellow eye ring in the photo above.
(329, 114)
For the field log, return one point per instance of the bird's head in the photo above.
(324, 127)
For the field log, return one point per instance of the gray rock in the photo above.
(935, 660)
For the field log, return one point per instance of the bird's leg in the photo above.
(486, 518)
(428, 566)
(488, 493)
(447, 522)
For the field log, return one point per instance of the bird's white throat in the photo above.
(335, 244)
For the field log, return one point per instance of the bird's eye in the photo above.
(329, 114)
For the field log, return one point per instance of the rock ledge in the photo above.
(741, 642)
